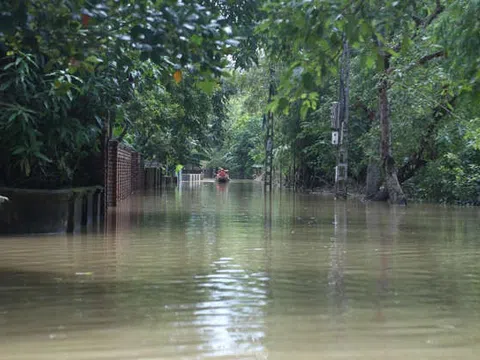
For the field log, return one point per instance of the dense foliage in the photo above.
(72, 71)
(414, 91)
(155, 77)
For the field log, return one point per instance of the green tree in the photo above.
(382, 34)
(69, 70)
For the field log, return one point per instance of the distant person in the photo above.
(222, 175)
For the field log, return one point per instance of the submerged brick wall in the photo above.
(141, 176)
(124, 172)
(111, 174)
(137, 172)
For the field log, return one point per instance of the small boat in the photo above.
(222, 176)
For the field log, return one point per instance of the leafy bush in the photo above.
(44, 139)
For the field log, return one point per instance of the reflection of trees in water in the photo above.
(127, 216)
(232, 315)
(62, 284)
(337, 252)
(267, 215)
(383, 223)
(231, 289)
(44, 302)
(267, 232)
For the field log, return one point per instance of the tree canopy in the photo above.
(188, 81)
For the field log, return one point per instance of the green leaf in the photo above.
(273, 105)
(25, 164)
(365, 29)
(5, 85)
(8, 66)
(42, 157)
(308, 81)
(99, 121)
(304, 109)
(283, 104)
(93, 60)
(196, 39)
(206, 85)
(406, 43)
(380, 60)
(391, 51)
(18, 150)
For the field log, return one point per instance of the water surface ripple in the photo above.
(222, 272)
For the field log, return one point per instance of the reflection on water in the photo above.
(337, 253)
(222, 271)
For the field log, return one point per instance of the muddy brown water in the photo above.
(212, 271)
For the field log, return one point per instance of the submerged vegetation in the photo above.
(185, 82)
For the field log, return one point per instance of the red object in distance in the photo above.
(85, 19)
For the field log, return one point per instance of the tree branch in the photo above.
(422, 61)
(371, 114)
(124, 132)
(417, 160)
(146, 139)
(422, 23)
(427, 58)
(418, 20)
(434, 15)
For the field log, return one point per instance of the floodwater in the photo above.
(211, 271)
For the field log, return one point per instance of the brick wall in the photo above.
(111, 174)
(134, 165)
(141, 176)
(124, 172)
(137, 172)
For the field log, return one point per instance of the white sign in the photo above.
(334, 137)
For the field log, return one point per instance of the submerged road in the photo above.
(211, 271)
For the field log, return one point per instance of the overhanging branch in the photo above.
(421, 23)
(124, 132)
(419, 159)
(422, 61)
(433, 15)
(427, 58)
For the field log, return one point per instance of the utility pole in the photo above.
(268, 119)
(340, 125)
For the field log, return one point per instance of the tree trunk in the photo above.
(373, 180)
(395, 192)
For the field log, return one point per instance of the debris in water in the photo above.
(57, 336)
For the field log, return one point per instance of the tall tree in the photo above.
(311, 34)
(69, 68)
